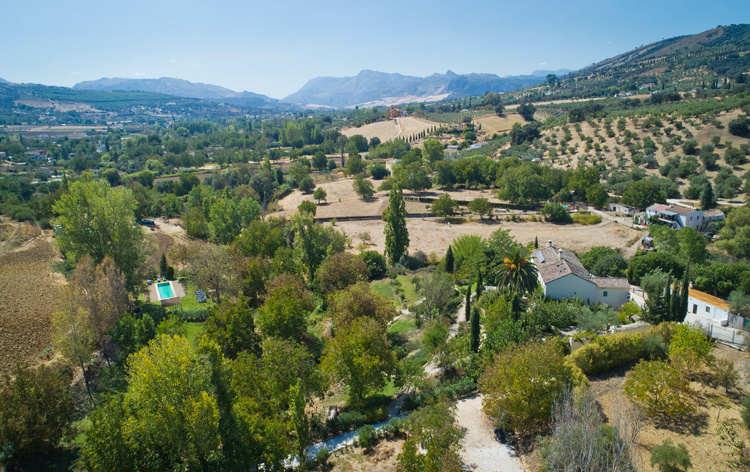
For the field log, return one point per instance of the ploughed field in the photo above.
(29, 293)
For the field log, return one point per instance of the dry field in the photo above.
(492, 124)
(389, 129)
(433, 235)
(29, 293)
(384, 130)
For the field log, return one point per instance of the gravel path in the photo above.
(482, 452)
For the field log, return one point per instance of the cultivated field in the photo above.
(389, 129)
(29, 293)
(383, 130)
(492, 124)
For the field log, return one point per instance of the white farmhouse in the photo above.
(676, 217)
(563, 276)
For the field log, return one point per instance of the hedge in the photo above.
(608, 352)
(452, 391)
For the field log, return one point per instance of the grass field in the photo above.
(195, 332)
(403, 285)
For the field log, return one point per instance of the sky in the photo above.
(275, 47)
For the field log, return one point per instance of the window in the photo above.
(695, 309)
(605, 293)
(708, 309)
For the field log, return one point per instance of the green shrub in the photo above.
(655, 347)
(607, 352)
(170, 273)
(349, 420)
(366, 436)
(377, 414)
(194, 315)
(586, 219)
(745, 412)
(452, 391)
(671, 458)
(322, 455)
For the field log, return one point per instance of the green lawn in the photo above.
(403, 326)
(195, 332)
(387, 288)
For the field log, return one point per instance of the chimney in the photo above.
(549, 243)
(559, 253)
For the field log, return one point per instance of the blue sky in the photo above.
(274, 47)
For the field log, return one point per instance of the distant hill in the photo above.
(3, 81)
(122, 103)
(558, 72)
(184, 88)
(380, 88)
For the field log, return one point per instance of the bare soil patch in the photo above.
(434, 235)
(29, 293)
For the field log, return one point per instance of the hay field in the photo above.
(492, 124)
(384, 130)
(411, 125)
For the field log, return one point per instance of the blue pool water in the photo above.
(165, 290)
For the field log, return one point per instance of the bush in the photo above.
(375, 263)
(377, 414)
(661, 387)
(451, 391)
(656, 348)
(555, 213)
(745, 412)
(366, 436)
(349, 420)
(671, 458)
(194, 315)
(170, 273)
(322, 455)
(607, 352)
(586, 219)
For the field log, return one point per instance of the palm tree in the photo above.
(516, 271)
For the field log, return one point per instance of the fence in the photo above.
(728, 335)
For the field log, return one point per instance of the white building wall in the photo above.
(616, 297)
(706, 310)
(571, 286)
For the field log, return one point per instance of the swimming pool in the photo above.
(165, 290)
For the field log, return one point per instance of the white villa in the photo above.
(563, 276)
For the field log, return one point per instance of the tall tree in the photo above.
(298, 402)
(475, 330)
(449, 260)
(480, 284)
(467, 304)
(100, 221)
(708, 199)
(396, 233)
(71, 333)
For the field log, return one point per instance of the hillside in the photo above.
(370, 88)
(3, 81)
(17, 99)
(700, 61)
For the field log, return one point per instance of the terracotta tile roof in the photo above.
(553, 263)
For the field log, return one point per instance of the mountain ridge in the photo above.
(186, 89)
(3, 81)
(378, 88)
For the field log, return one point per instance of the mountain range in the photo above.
(370, 88)
(183, 88)
(3, 81)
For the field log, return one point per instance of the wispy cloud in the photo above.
(196, 65)
(172, 60)
(608, 42)
(76, 72)
(139, 74)
(542, 63)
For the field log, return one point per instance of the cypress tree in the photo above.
(480, 284)
(449, 260)
(684, 294)
(467, 310)
(396, 233)
(163, 265)
(707, 197)
(515, 305)
(475, 330)
(536, 242)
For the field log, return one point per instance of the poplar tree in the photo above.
(467, 310)
(480, 284)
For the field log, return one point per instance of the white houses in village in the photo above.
(563, 276)
(705, 309)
